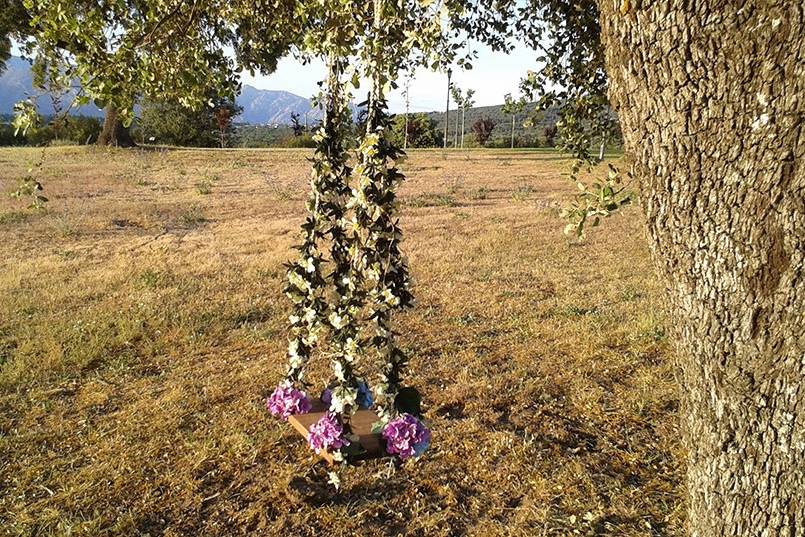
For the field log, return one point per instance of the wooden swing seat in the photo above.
(362, 422)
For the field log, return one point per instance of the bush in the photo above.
(171, 123)
(304, 140)
(7, 136)
(71, 130)
(422, 131)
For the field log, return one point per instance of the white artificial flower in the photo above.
(390, 298)
(337, 320)
(343, 397)
(332, 477)
(298, 281)
(338, 370)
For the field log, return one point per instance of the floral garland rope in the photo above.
(383, 267)
(368, 269)
(306, 284)
(335, 301)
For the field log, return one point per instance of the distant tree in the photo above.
(72, 129)
(466, 104)
(483, 129)
(224, 113)
(458, 97)
(550, 133)
(123, 50)
(296, 125)
(422, 130)
(513, 106)
(171, 123)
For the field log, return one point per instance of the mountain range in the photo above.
(259, 106)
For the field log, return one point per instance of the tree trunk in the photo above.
(113, 132)
(711, 98)
(455, 134)
(462, 127)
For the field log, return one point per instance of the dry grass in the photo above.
(142, 324)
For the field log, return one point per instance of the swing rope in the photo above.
(369, 280)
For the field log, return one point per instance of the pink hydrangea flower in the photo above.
(286, 401)
(326, 434)
(406, 437)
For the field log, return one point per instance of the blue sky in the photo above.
(493, 75)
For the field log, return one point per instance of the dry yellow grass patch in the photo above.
(142, 325)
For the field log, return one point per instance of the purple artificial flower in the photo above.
(326, 434)
(286, 401)
(406, 437)
(327, 396)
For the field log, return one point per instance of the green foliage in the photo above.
(527, 129)
(303, 140)
(594, 201)
(261, 135)
(159, 50)
(73, 130)
(571, 81)
(422, 131)
(29, 188)
(171, 123)
(14, 24)
(8, 136)
(167, 50)
(296, 126)
(573, 78)
(550, 135)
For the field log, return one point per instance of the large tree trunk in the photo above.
(114, 133)
(711, 98)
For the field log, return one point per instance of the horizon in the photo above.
(493, 75)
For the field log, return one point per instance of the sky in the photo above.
(493, 75)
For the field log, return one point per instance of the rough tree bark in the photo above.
(113, 132)
(711, 97)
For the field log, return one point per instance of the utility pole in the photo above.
(447, 110)
(455, 134)
(407, 105)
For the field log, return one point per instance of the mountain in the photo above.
(259, 106)
(16, 84)
(273, 106)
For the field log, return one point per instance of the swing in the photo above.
(366, 281)
(362, 423)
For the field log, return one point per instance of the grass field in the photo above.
(142, 325)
